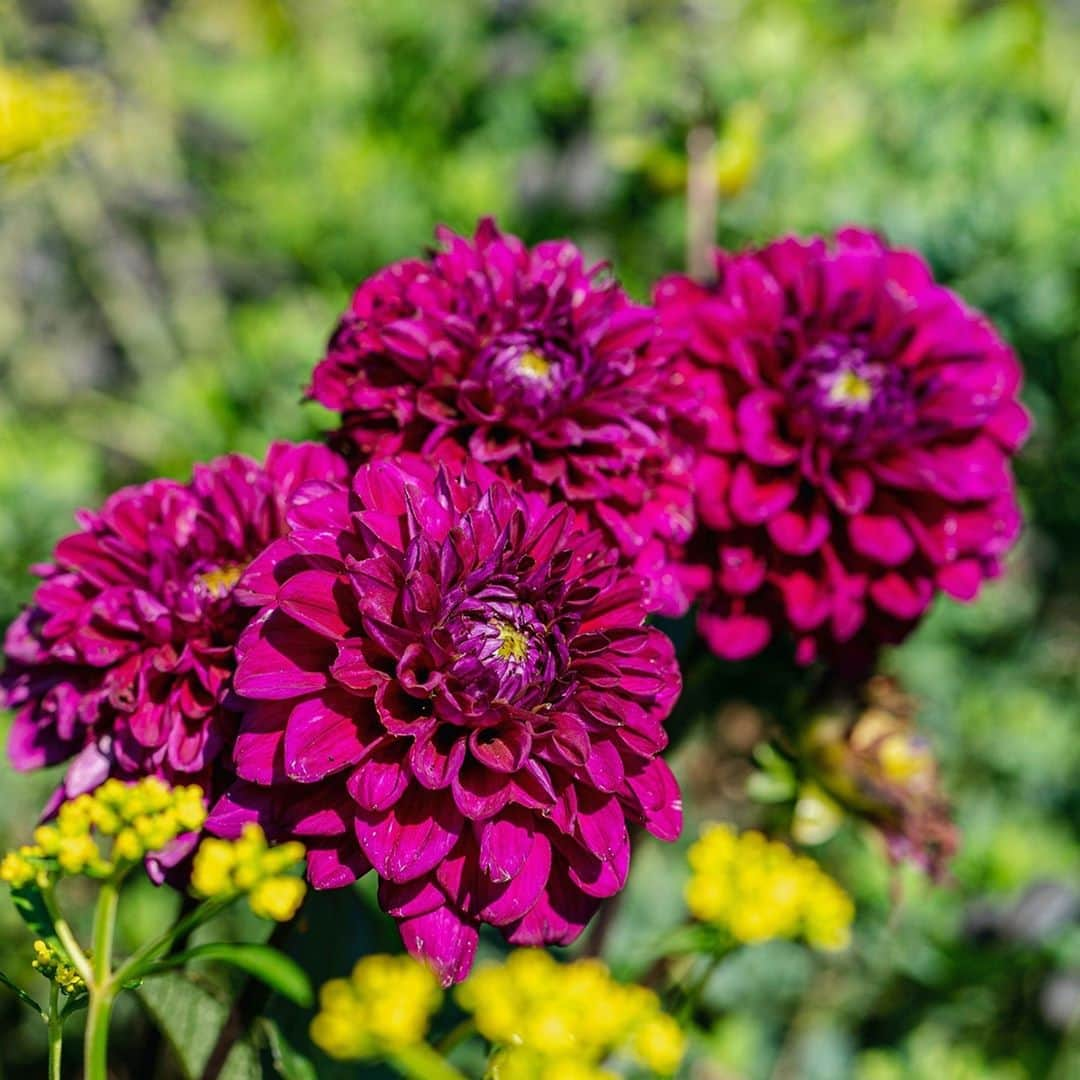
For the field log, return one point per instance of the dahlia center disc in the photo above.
(525, 373)
(218, 582)
(845, 397)
(502, 651)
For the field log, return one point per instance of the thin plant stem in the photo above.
(131, 968)
(456, 1036)
(56, 1032)
(103, 988)
(67, 937)
(421, 1062)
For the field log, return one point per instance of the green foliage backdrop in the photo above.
(166, 284)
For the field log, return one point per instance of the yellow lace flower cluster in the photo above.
(383, 1007)
(139, 818)
(757, 889)
(41, 113)
(563, 1021)
(56, 968)
(249, 866)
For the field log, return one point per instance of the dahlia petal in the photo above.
(443, 939)
(411, 838)
(480, 793)
(756, 497)
(961, 579)
(851, 490)
(557, 918)
(504, 846)
(32, 745)
(380, 780)
(325, 734)
(756, 414)
(514, 899)
(334, 867)
(656, 792)
(241, 804)
(882, 538)
(1010, 426)
(898, 596)
(734, 636)
(436, 756)
(406, 900)
(798, 533)
(259, 750)
(278, 658)
(313, 599)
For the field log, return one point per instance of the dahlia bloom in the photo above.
(123, 659)
(449, 682)
(525, 360)
(860, 420)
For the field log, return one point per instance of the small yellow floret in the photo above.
(552, 1018)
(756, 890)
(277, 898)
(55, 967)
(248, 865)
(385, 1005)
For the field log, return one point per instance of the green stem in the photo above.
(421, 1062)
(56, 1032)
(103, 987)
(67, 937)
(146, 954)
(455, 1036)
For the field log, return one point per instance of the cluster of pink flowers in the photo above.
(424, 648)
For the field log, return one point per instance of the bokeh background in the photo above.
(189, 188)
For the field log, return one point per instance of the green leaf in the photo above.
(23, 996)
(190, 1017)
(288, 1061)
(30, 905)
(274, 968)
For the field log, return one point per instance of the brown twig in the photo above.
(701, 198)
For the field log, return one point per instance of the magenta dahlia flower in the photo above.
(860, 423)
(454, 685)
(525, 360)
(124, 658)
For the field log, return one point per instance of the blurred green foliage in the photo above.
(166, 284)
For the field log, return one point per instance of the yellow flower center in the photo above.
(513, 643)
(850, 389)
(219, 582)
(533, 364)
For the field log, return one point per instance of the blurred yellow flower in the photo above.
(225, 868)
(757, 889)
(140, 818)
(565, 1020)
(42, 114)
(384, 1006)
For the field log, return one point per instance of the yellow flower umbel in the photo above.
(41, 114)
(137, 818)
(383, 1008)
(563, 1021)
(51, 963)
(249, 866)
(755, 889)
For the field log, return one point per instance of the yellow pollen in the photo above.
(513, 644)
(533, 364)
(850, 389)
(219, 582)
